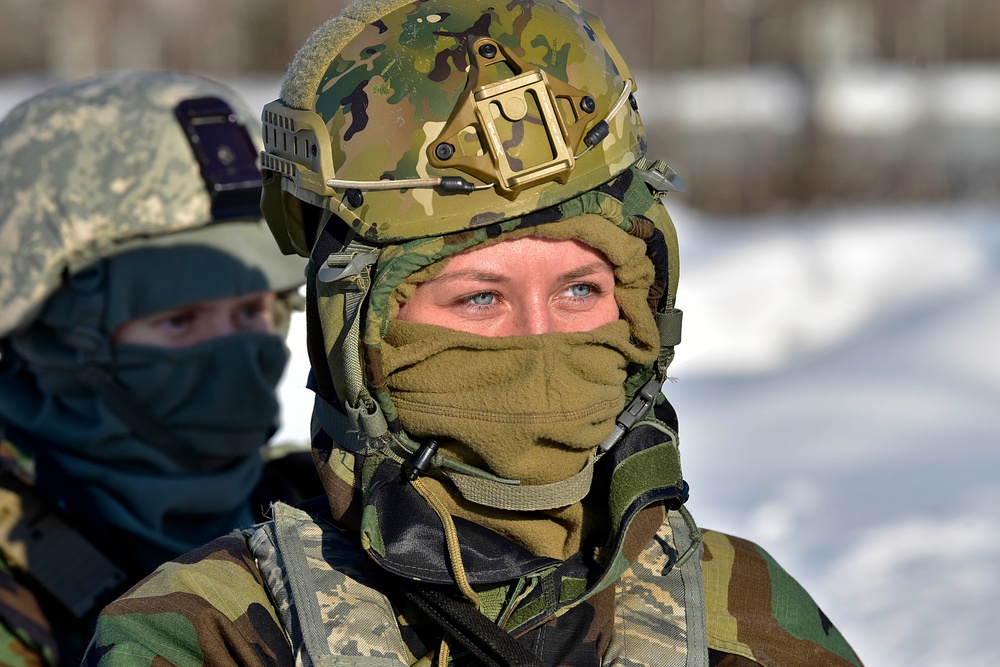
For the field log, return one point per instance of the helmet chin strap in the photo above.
(343, 281)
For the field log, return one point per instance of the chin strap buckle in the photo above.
(635, 411)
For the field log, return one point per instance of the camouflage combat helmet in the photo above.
(412, 119)
(180, 157)
(410, 130)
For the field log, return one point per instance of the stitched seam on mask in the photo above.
(505, 417)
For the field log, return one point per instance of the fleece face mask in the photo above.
(154, 451)
(530, 408)
(621, 220)
(216, 399)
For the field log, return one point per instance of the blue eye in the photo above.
(482, 299)
(581, 290)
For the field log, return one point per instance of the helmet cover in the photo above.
(97, 167)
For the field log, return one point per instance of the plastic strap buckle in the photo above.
(342, 265)
(635, 411)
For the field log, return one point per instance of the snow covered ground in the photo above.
(839, 394)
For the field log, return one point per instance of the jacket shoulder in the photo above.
(25, 633)
(210, 606)
(757, 614)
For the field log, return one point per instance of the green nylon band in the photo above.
(520, 498)
(669, 324)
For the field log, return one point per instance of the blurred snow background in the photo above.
(838, 389)
(838, 385)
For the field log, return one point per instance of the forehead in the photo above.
(516, 255)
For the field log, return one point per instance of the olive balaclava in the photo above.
(531, 408)
(156, 449)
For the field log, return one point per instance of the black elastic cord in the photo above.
(461, 621)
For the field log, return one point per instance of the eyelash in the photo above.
(595, 290)
(467, 301)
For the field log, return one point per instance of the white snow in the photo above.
(838, 389)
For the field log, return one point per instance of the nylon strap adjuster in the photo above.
(669, 325)
(38, 541)
(345, 265)
(635, 411)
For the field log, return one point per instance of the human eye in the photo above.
(481, 300)
(583, 292)
(254, 314)
(176, 322)
(482, 303)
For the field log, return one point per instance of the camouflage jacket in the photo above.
(307, 589)
(216, 607)
(54, 580)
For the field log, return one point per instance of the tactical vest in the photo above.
(56, 579)
(334, 615)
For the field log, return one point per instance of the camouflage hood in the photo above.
(69, 195)
(409, 131)
(354, 412)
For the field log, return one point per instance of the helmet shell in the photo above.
(383, 86)
(90, 168)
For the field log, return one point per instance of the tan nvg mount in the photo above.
(509, 133)
(483, 108)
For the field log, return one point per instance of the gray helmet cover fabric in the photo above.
(105, 217)
(93, 168)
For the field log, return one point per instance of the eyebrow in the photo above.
(589, 269)
(492, 277)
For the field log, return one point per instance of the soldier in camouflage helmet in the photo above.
(143, 308)
(490, 299)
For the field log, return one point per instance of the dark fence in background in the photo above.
(759, 104)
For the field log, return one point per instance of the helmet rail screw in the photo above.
(634, 103)
(587, 104)
(488, 51)
(444, 151)
(354, 198)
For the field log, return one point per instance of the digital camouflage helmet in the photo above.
(408, 131)
(181, 159)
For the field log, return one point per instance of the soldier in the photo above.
(491, 308)
(142, 312)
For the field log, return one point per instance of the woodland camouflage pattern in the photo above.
(31, 641)
(55, 159)
(758, 614)
(634, 600)
(387, 95)
(219, 613)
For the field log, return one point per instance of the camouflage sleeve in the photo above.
(209, 607)
(757, 614)
(25, 635)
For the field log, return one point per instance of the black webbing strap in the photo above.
(39, 541)
(461, 621)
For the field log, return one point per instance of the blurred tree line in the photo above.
(759, 104)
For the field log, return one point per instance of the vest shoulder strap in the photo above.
(334, 615)
(36, 539)
(326, 598)
(660, 603)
